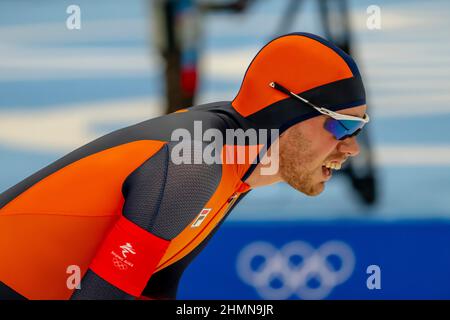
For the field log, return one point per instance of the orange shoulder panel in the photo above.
(61, 220)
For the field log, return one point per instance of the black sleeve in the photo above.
(162, 198)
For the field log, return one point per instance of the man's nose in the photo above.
(349, 146)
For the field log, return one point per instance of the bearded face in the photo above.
(308, 154)
(299, 165)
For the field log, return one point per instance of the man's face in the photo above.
(307, 148)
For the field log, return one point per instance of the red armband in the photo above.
(128, 257)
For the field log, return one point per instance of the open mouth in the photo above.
(326, 172)
(328, 167)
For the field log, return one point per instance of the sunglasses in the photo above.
(341, 126)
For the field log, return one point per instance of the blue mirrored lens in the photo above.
(342, 129)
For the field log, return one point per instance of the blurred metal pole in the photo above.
(361, 171)
(177, 32)
(177, 26)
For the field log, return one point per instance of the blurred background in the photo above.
(381, 228)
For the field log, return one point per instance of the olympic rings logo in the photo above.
(296, 269)
(119, 264)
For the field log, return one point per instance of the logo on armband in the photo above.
(127, 248)
(121, 262)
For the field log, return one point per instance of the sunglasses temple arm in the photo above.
(280, 88)
(324, 111)
(289, 93)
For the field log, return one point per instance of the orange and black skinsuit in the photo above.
(132, 219)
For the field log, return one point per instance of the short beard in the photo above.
(294, 159)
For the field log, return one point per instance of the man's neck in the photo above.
(257, 179)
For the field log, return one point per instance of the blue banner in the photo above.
(323, 260)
